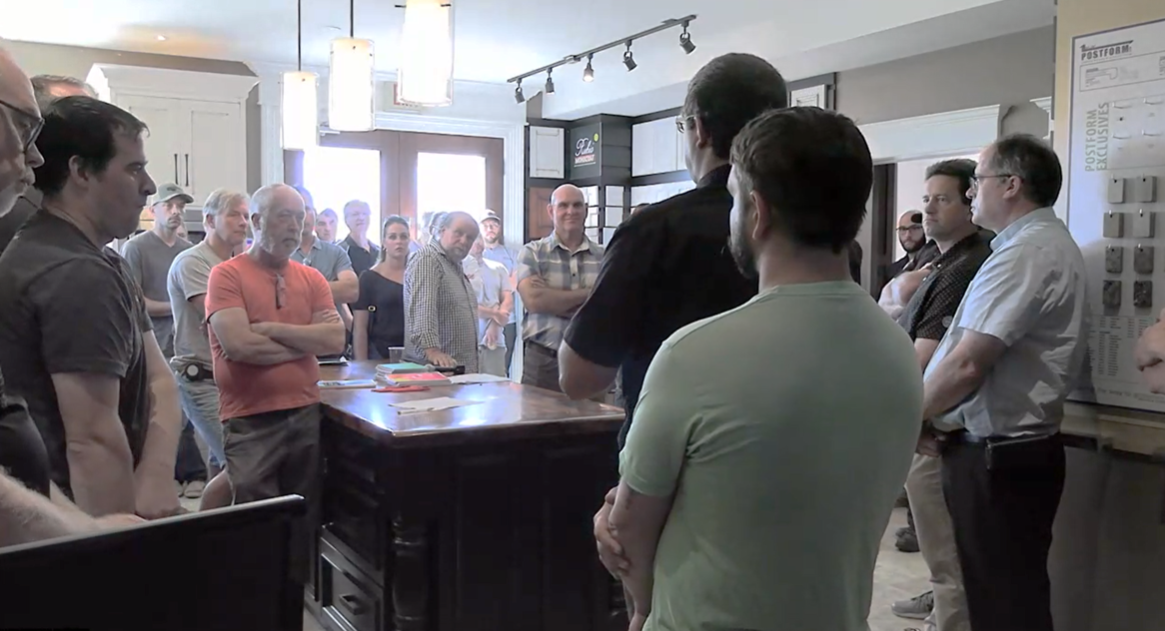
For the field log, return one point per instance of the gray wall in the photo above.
(1008, 71)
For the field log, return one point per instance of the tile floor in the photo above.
(896, 576)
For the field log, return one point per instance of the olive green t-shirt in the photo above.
(785, 429)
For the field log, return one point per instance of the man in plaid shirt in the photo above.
(440, 304)
(555, 275)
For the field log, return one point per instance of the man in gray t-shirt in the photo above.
(150, 255)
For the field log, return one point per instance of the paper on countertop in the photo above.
(431, 405)
(475, 378)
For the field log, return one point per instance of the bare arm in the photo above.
(154, 475)
(241, 344)
(539, 298)
(346, 287)
(100, 462)
(27, 516)
(346, 317)
(961, 372)
(636, 522)
(324, 336)
(158, 309)
(360, 334)
(580, 378)
(924, 350)
(506, 308)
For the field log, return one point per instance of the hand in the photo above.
(1154, 376)
(502, 317)
(1147, 349)
(439, 359)
(491, 335)
(637, 622)
(928, 444)
(118, 520)
(157, 497)
(610, 551)
(263, 328)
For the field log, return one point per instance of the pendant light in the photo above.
(300, 105)
(351, 81)
(425, 75)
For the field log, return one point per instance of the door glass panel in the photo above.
(447, 182)
(336, 175)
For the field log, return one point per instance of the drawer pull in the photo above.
(353, 604)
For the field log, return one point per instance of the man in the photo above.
(996, 384)
(225, 216)
(495, 302)
(555, 275)
(75, 338)
(440, 304)
(47, 89)
(667, 266)
(962, 248)
(326, 225)
(269, 317)
(497, 251)
(912, 237)
(362, 252)
(717, 525)
(328, 259)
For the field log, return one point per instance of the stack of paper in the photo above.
(402, 368)
(416, 379)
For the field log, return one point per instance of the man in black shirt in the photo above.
(362, 252)
(75, 338)
(669, 264)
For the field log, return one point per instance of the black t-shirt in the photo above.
(384, 301)
(10, 223)
(22, 452)
(932, 308)
(71, 307)
(362, 260)
(667, 266)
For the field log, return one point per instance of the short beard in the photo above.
(742, 254)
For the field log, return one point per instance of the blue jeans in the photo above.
(200, 403)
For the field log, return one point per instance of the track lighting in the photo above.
(549, 82)
(686, 41)
(629, 58)
(589, 73)
(518, 96)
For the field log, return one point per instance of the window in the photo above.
(336, 175)
(448, 182)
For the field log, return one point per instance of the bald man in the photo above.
(440, 302)
(555, 275)
(46, 89)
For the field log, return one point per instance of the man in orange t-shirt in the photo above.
(269, 319)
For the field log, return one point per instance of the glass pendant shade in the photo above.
(425, 75)
(300, 107)
(352, 85)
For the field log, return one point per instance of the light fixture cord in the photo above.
(352, 19)
(299, 35)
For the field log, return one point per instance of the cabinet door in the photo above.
(547, 152)
(166, 139)
(217, 153)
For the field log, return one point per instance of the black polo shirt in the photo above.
(71, 307)
(667, 266)
(931, 310)
(362, 260)
(22, 452)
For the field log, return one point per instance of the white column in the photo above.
(270, 121)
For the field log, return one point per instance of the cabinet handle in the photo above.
(175, 168)
(352, 604)
(187, 169)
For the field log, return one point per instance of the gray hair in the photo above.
(222, 199)
(353, 205)
(447, 219)
(43, 84)
(1033, 161)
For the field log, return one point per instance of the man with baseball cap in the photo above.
(497, 251)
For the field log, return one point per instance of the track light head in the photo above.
(549, 83)
(589, 73)
(518, 96)
(686, 41)
(629, 59)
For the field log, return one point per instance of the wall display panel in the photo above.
(1116, 167)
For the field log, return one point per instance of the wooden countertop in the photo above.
(506, 411)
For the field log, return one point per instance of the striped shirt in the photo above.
(440, 308)
(560, 268)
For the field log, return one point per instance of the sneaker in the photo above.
(917, 608)
(194, 489)
(907, 541)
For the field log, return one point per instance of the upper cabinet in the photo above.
(656, 147)
(547, 153)
(197, 123)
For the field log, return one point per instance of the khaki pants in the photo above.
(936, 539)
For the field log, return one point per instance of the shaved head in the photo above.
(277, 218)
(568, 211)
(566, 192)
(19, 123)
(909, 218)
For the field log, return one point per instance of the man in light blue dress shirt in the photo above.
(995, 388)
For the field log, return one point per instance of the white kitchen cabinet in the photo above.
(656, 147)
(547, 152)
(197, 123)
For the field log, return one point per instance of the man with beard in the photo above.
(713, 525)
(918, 247)
(440, 303)
(497, 251)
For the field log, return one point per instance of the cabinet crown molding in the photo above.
(162, 82)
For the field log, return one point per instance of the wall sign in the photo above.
(586, 150)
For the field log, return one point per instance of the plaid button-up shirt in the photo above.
(440, 308)
(560, 268)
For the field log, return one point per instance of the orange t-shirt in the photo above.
(249, 389)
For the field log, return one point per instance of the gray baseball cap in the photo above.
(167, 192)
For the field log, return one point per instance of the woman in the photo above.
(379, 313)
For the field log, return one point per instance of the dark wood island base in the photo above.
(476, 518)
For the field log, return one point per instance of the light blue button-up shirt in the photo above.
(1030, 294)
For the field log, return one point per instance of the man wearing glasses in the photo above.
(919, 250)
(269, 319)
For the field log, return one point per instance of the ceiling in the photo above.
(496, 40)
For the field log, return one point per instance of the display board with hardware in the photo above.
(1116, 168)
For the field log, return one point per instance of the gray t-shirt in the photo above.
(149, 260)
(187, 279)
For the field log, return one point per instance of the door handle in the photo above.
(188, 169)
(175, 168)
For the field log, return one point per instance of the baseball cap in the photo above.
(491, 216)
(167, 192)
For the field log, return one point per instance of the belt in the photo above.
(544, 349)
(963, 437)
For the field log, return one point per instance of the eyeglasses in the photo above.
(682, 123)
(911, 228)
(29, 129)
(280, 290)
(978, 179)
